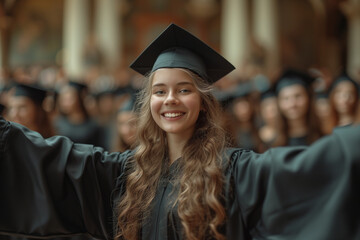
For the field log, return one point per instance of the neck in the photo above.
(76, 117)
(175, 144)
(244, 124)
(297, 127)
(345, 120)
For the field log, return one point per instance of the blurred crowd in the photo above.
(293, 108)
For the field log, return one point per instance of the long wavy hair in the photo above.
(199, 200)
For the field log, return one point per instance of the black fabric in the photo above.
(34, 92)
(298, 141)
(55, 188)
(88, 132)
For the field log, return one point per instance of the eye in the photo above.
(159, 92)
(184, 90)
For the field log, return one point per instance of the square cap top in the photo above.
(177, 48)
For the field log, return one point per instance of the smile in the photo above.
(172, 115)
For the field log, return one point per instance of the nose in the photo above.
(171, 99)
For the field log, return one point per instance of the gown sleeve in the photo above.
(300, 192)
(53, 187)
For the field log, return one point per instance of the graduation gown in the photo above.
(55, 188)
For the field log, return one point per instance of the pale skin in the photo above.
(175, 106)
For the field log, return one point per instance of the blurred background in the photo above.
(93, 42)
(105, 35)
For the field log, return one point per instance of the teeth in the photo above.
(172, 115)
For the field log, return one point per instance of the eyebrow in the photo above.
(178, 84)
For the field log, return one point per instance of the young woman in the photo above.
(270, 115)
(74, 120)
(300, 125)
(126, 121)
(180, 182)
(243, 125)
(344, 101)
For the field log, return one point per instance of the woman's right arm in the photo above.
(53, 187)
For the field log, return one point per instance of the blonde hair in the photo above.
(199, 200)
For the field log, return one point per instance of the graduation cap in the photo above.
(177, 48)
(226, 98)
(34, 92)
(291, 77)
(321, 95)
(268, 93)
(77, 85)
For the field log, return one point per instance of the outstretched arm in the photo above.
(302, 192)
(53, 187)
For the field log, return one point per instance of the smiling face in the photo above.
(175, 102)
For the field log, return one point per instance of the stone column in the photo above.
(352, 10)
(76, 32)
(235, 31)
(265, 30)
(108, 28)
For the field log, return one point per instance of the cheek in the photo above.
(282, 105)
(304, 102)
(155, 106)
(195, 105)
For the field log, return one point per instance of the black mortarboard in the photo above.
(342, 78)
(77, 85)
(268, 93)
(226, 98)
(177, 48)
(34, 92)
(321, 95)
(290, 77)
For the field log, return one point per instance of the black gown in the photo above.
(52, 188)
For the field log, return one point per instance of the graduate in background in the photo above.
(300, 125)
(344, 101)
(270, 116)
(25, 106)
(126, 127)
(180, 182)
(74, 120)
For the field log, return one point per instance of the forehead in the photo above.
(345, 85)
(170, 76)
(17, 100)
(292, 89)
